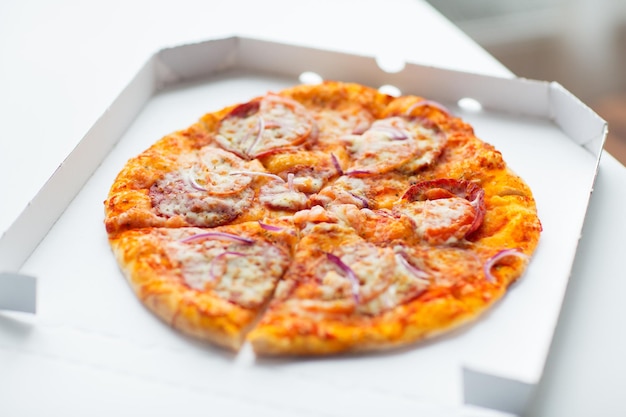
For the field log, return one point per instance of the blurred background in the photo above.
(579, 43)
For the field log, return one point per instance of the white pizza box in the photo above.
(55, 256)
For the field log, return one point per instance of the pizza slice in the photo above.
(339, 293)
(208, 283)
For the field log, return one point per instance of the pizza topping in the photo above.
(415, 271)
(213, 274)
(405, 284)
(233, 269)
(265, 125)
(497, 259)
(194, 183)
(354, 280)
(270, 227)
(258, 174)
(388, 129)
(308, 183)
(208, 172)
(283, 196)
(310, 170)
(344, 190)
(202, 192)
(440, 266)
(218, 235)
(172, 196)
(428, 103)
(336, 164)
(394, 143)
(443, 211)
(218, 165)
(344, 280)
(359, 278)
(281, 199)
(315, 214)
(337, 123)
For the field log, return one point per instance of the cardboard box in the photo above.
(88, 315)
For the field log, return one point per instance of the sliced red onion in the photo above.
(358, 172)
(261, 128)
(335, 161)
(218, 235)
(385, 213)
(363, 200)
(430, 103)
(269, 227)
(258, 174)
(495, 259)
(220, 256)
(418, 273)
(393, 132)
(194, 184)
(354, 280)
(290, 181)
(477, 200)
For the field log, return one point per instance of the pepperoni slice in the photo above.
(203, 192)
(405, 143)
(265, 125)
(444, 210)
(241, 272)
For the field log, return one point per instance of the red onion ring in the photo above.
(358, 172)
(354, 280)
(394, 133)
(259, 174)
(418, 273)
(335, 161)
(363, 200)
(495, 259)
(218, 235)
(269, 227)
(261, 128)
(194, 184)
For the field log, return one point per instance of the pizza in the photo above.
(321, 219)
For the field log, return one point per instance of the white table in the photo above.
(62, 63)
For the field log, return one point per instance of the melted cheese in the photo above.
(339, 123)
(442, 221)
(345, 190)
(174, 195)
(278, 122)
(242, 273)
(394, 143)
(279, 196)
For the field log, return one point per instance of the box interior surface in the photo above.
(84, 298)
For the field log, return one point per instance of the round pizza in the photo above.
(321, 219)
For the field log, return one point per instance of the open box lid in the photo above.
(546, 135)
